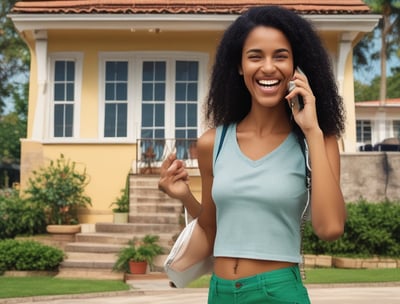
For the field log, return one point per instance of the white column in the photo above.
(381, 126)
(42, 81)
(345, 49)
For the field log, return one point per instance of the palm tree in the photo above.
(389, 28)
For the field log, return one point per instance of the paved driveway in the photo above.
(158, 292)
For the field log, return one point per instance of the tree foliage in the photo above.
(14, 58)
(368, 92)
(388, 32)
(14, 69)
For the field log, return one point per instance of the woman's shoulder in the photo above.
(206, 140)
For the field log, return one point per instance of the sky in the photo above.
(365, 75)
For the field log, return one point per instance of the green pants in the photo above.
(275, 287)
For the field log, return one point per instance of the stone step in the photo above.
(89, 273)
(93, 247)
(85, 256)
(84, 263)
(101, 262)
(152, 207)
(113, 241)
(149, 192)
(154, 218)
(139, 228)
(143, 182)
(142, 199)
(104, 238)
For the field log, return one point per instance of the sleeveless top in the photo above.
(259, 203)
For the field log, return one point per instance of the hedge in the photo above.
(28, 255)
(19, 216)
(371, 229)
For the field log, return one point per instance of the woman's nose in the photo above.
(268, 66)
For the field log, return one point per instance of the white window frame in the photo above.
(135, 66)
(363, 121)
(77, 57)
(396, 132)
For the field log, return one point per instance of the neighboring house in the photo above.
(116, 85)
(378, 124)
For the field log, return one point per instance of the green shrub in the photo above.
(371, 229)
(19, 216)
(28, 255)
(60, 188)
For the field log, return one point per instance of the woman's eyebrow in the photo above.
(282, 50)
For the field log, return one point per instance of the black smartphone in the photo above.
(296, 101)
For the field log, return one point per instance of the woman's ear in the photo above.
(240, 70)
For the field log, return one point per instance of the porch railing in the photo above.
(152, 152)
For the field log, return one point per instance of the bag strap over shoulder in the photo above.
(221, 141)
(306, 212)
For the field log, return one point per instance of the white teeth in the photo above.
(268, 82)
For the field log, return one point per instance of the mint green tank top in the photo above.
(259, 203)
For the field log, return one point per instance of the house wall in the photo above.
(107, 163)
(373, 176)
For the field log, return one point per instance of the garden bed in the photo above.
(317, 261)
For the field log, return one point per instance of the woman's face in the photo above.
(267, 65)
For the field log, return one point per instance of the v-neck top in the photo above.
(258, 202)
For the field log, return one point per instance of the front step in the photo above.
(150, 212)
(89, 273)
(93, 247)
(105, 239)
(150, 218)
(138, 228)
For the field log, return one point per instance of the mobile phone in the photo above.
(296, 101)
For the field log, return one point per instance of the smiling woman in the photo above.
(263, 198)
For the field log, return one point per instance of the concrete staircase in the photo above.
(93, 254)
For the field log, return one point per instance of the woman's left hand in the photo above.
(306, 117)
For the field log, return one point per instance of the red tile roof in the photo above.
(184, 6)
(393, 102)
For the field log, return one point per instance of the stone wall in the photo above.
(373, 176)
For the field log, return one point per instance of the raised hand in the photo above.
(174, 178)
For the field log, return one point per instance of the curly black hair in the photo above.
(229, 101)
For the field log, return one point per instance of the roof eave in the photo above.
(175, 22)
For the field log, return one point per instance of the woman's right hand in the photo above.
(174, 177)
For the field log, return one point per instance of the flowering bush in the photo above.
(60, 189)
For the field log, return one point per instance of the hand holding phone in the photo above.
(296, 101)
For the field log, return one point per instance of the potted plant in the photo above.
(135, 257)
(121, 203)
(59, 189)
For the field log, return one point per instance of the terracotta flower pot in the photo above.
(137, 267)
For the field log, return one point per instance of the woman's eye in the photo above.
(254, 57)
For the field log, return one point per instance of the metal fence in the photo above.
(152, 152)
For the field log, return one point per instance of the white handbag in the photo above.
(189, 258)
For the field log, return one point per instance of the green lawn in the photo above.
(38, 286)
(333, 275)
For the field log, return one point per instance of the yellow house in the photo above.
(116, 85)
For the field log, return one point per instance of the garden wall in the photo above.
(373, 176)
